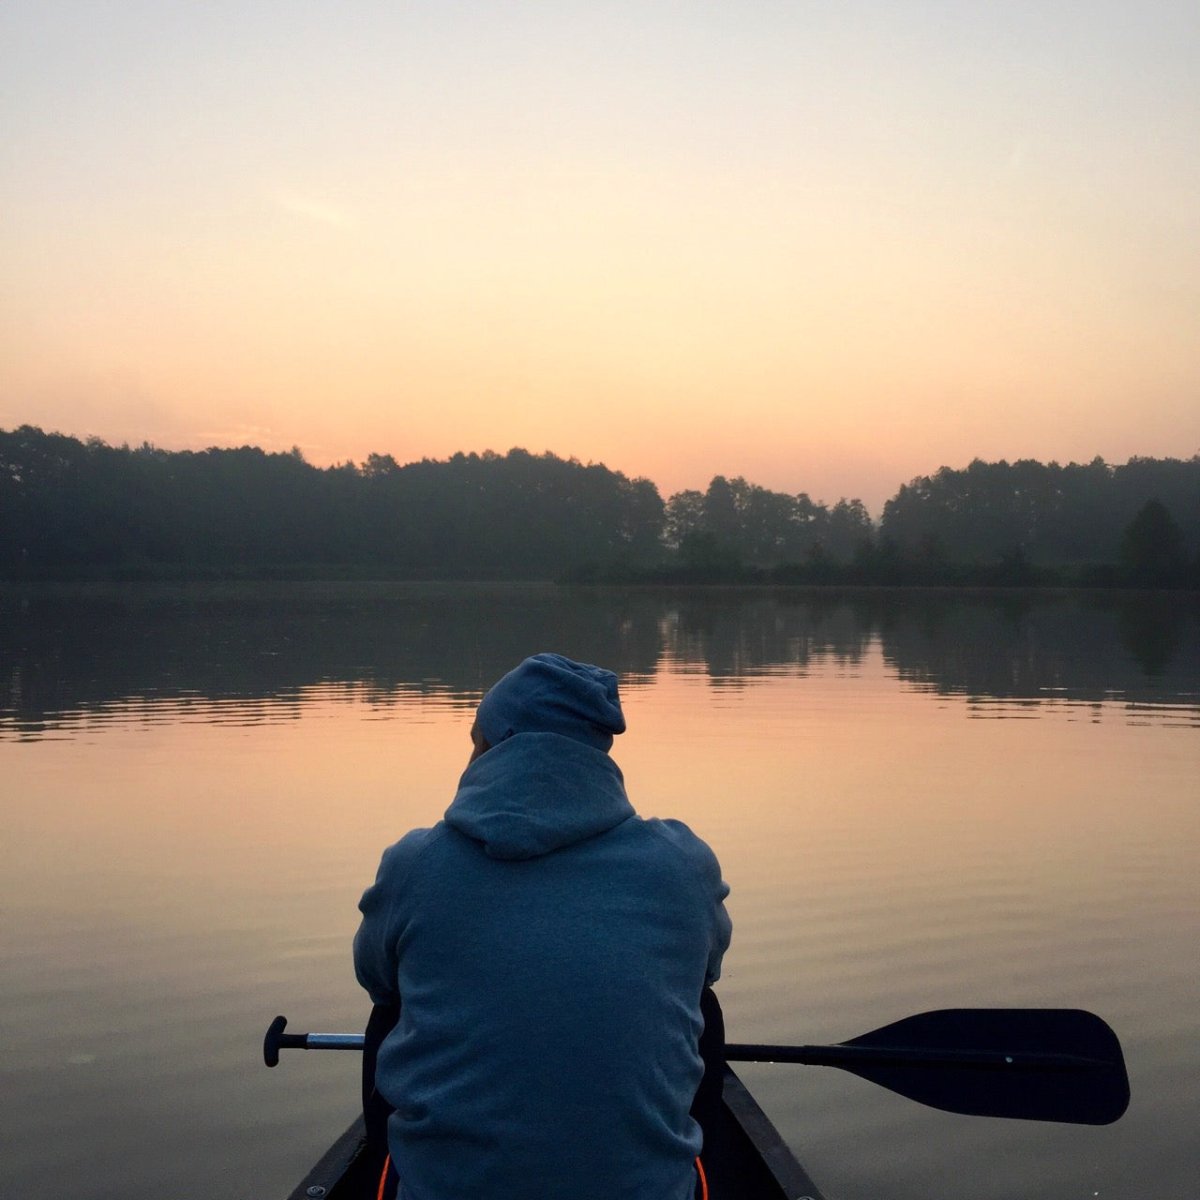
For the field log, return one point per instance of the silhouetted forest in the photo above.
(85, 509)
(1109, 523)
(69, 507)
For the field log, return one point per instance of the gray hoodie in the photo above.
(550, 947)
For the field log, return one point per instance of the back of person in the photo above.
(549, 948)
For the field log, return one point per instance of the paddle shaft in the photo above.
(811, 1056)
(321, 1041)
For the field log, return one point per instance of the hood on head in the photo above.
(549, 693)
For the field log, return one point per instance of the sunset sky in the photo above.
(824, 246)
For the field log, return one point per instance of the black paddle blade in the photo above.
(1039, 1064)
(1047, 1064)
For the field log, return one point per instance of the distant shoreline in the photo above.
(72, 510)
(666, 582)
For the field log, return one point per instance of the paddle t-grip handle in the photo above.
(277, 1040)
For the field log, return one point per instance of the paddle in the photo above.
(1039, 1064)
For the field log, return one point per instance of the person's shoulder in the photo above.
(691, 849)
(675, 832)
(401, 855)
(696, 866)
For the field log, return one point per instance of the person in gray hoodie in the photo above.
(547, 949)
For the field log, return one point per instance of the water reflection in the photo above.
(176, 879)
(735, 636)
(70, 658)
(1078, 649)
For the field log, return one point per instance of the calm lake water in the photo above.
(920, 801)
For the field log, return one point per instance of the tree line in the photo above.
(1093, 522)
(71, 508)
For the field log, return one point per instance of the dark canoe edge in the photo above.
(748, 1160)
(782, 1171)
(335, 1168)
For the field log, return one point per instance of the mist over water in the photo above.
(921, 800)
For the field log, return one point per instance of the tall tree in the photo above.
(1152, 543)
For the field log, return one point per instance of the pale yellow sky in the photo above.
(827, 249)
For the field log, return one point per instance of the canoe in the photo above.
(744, 1159)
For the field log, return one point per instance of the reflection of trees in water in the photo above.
(737, 635)
(84, 651)
(66, 655)
(1154, 632)
(1075, 646)
(67, 652)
